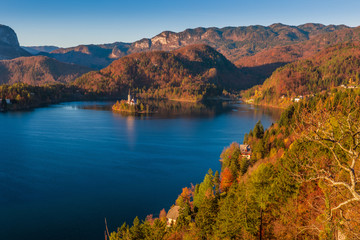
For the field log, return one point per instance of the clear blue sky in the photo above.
(72, 22)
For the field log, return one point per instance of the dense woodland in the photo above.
(301, 181)
(332, 67)
(24, 96)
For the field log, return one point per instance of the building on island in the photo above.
(131, 99)
(172, 215)
(245, 150)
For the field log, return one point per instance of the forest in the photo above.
(301, 181)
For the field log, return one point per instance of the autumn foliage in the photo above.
(192, 73)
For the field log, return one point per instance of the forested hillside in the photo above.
(301, 181)
(190, 73)
(335, 66)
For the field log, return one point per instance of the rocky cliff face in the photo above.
(8, 36)
(9, 44)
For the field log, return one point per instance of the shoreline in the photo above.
(263, 104)
(33, 106)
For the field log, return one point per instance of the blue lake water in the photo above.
(66, 167)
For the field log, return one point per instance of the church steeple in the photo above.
(129, 97)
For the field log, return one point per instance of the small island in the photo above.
(132, 105)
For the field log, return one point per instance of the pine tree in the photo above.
(136, 231)
(231, 219)
(258, 130)
(203, 188)
(206, 216)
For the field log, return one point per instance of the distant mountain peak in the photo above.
(9, 44)
(8, 36)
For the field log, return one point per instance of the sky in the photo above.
(68, 23)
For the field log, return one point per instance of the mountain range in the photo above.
(235, 43)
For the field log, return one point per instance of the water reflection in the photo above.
(130, 129)
(173, 109)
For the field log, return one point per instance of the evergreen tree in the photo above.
(136, 231)
(261, 189)
(156, 231)
(232, 217)
(206, 216)
(217, 184)
(121, 233)
(258, 130)
(246, 138)
(206, 186)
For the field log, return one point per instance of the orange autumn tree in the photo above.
(226, 180)
(162, 215)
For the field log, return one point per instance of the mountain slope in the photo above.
(191, 72)
(38, 70)
(332, 67)
(9, 44)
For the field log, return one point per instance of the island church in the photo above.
(131, 99)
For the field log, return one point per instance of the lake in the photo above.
(66, 167)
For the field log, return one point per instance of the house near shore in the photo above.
(131, 99)
(245, 150)
(298, 99)
(172, 215)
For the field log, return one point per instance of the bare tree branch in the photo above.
(344, 203)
